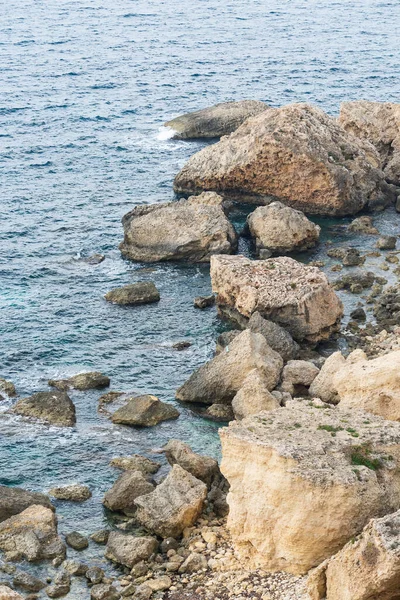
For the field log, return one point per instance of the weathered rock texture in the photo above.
(144, 411)
(373, 385)
(378, 123)
(253, 397)
(92, 380)
(74, 493)
(7, 387)
(282, 229)
(296, 154)
(55, 408)
(277, 337)
(202, 467)
(125, 490)
(191, 230)
(32, 535)
(215, 121)
(14, 500)
(174, 505)
(366, 568)
(146, 466)
(295, 296)
(7, 593)
(297, 376)
(144, 292)
(128, 550)
(305, 480)
(322, 386)
(219, 379)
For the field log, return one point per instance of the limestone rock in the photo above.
(82, 381)
(253, 397)
(54, 408)
(297, 376)
(94, 575)
(144, 292)
(379, 124)
(14, 500)
(136, 463)
(174, 505)
(296, 296)
(296, 154)
(32, 535)
(128, 550)
(74, 492)
(386, 242)
(74, 567)
(214, 121)
(219, 412)
(373, 385)
(128, 486)
(27, 582)
(277, 337)
(61, 585)
(100, 536)
(7, 387)
(220, 378)
(322, 387)
(191, 230)
(367, 567)
(104, 591)
(363, 225)
(6, 593)
(160, 584)
(76, 540)
(195, 562)
(202, 302)
(282, 229)
(144, 411)
(304, 481)
(204, 468)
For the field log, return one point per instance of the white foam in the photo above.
(165, 133)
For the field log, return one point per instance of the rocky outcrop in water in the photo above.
(174, 505)
(144, 411)
(296, 154)
(146, 466)
(202, 467)
(94, 380)
(304, 481)
(214, 121)
(144, 292)
(31, 535)
(295, 296)
(282, 229)
(14, 500)
(379, 124)
(7, 387)
(222, 377)
(191, 230)
(54, 408)
(74, 492)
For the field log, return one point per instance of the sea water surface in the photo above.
(85, 86)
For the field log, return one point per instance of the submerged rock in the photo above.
(93, 380)
(32, 535)
(54, 408)
(125, 490)
(296, 154)
(204, 301)
(219, 379)
(144, 411)
(128, 550)
(295, 296)
(254, 396)
(282, 229)
(144, 292)
(304, 481)
(14, 500)
(202, 467)
(74, 492)
(214, 121)
(174, 505)
(191, 230)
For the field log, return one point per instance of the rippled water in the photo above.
(84, 87)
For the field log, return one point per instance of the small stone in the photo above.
(358, 314)
(194, 562)
(140, 569)
(144, 292)
(95, 575)
(169, 544)
(204, 301)
(101, 536)
(363, 225)
(160, 584)
(76, 540)
(264, 253)
(74, 492)
(104, 592)
(220, 412)
(74, 567)
(386, 242)
(143, 592)
(61, 585)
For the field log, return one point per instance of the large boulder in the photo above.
(174, 505)
(296, 154)
(191, 230)
(322, 386)
(144, 411)
(373, 385)
(92, 380)
(218, 380)
(128, 550)
(54, 408)
(304, 481)
(125, 490)
(277, 337)
(367, 567)
(144, 292)
(282, 229)
(297, 376)
(379, 124)
(202, 467)
(214, 121)
(14, 500)
(254, 396)
(283, 290)
(32, 535)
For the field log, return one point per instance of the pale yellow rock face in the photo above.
(373, 385)
(253, 396)
(283, 290)
(7, 593)
(296, 493)
(296, 154)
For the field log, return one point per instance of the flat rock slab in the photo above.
(144, 292)
(144, 411)
(74, 492)
(283, 290)
(305, 480)
(54, 408)
(214, 121)
(94, 380)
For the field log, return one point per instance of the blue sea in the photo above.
(85, 86)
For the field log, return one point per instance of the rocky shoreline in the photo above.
(307, 490)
